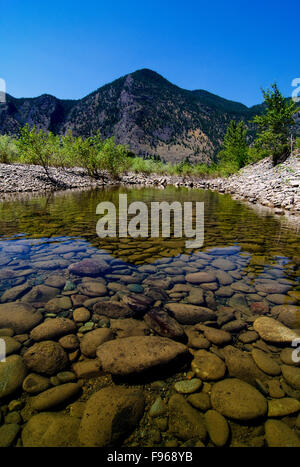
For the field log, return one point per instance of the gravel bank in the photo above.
(273, 187)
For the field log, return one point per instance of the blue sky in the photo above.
(70, 48)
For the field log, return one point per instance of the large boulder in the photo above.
(53, 329)
(12, 374)
(138, 354)
(236, 399)
(21, 317)
(46, 357)
(110, 414)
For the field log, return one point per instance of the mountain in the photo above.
(143, 110)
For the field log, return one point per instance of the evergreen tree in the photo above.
(275, 125)
(235, 149)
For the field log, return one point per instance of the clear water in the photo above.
(268, 249)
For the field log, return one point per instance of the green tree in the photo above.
(38, 147)
(235, 148)
(275, 125)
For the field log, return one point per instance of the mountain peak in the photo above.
(142, 110)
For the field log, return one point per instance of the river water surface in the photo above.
(247, 268)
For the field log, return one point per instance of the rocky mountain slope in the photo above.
(142, 109)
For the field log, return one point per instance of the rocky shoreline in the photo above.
(188, 351)
(259, 184)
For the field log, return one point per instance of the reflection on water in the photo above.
(247, 267)
(71, 219)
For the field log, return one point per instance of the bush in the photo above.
(38, 147)
(147, 166)
(111, 157)
(8, 149)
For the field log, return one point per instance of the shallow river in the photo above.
(207, 302)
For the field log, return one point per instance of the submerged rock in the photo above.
(58, 304)
(241, 365)
(271, 330)
(88, 267)
(113, 309)
(128, 327)
(137, 302)
(201, 277)
(34, 383)
(54, 396)
(11, 345)
(208, 366)
(280, 435)
(217, 427)
(110, 414)
(51, 430)
(185, 422)
(40, 294)
(163, 324)
(138, 354)
(291, 375)
(92, 289)
(93, 339)
(20, 317)
(12, 374)
(283, 407)
(53, 329)
(190, 314)
(14, 293)
(188, 386)
(8, 433)
(265, 363)
(46, 357)
(216, 336)
(236, 399)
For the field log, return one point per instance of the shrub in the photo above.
(38, 147)
(8, 149)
